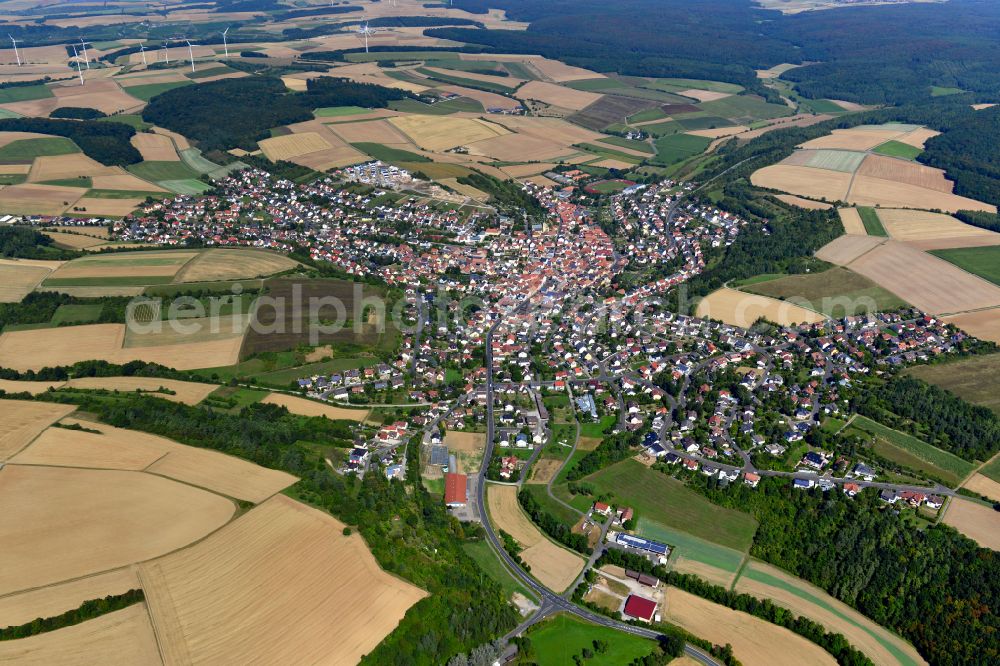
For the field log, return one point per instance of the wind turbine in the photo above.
(166, 51)
(76, 56)
(190, 53)
(366, 31)
(85, 58)
(142, 50)
(225, 45)
(16, 54)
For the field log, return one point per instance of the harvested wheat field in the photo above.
(851, 220)
(101, 232)
(119, 179)
(708, 572)
(704, 95)
(803, 203)
(804, 181)
(188, 393)
(122, 637)
(61, 167)
(742, 309)
(545, 470)
(179, 139)
(108, 207)
(101, 94)
(34, 388)
(371, 131)
(981, 484)
(977, 521)
(929, 283)
(282, 584)
(110, 448)
(918, 225)
(125, 265)
(304, 407)
(487, 99)
(73, 241)
(904, 171)
(845, 249)
(753, 639)
(532, 169)
(187, 331)
(767, 582)
(516, 147)
(33, 199)
(52, 600)
(234, 264)
(869, 191)
(155, 147)
(559, 71)
(856, 138)
(918, 137)
(984, 324)
(553, 565)
(437, 133)
(716, 133)
(25, 350)
(292, 145)
(22, 421)
(220, 473)
(62, 523)
(17, 280)
(558, 96)
(508, 81)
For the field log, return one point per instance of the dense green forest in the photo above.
(251, 106)
(107, 142)
(77, 113)
(934, 586)
(25, 243)
(933, 414)
(408, 530)
(873, 55)
(88, 610)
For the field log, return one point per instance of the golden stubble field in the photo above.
(553, 565)
(234, 264)
(976, 521)
(282, 584)
(304, 407)
(742, 309)
(63, 523)
(754, 641)
(18, 279)
(21, 421)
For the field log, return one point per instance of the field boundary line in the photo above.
(149, 613)
(26, 590)
(32, 440)
(739, 572)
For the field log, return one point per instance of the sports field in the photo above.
(288, 577)
(669, 502)
(560, 638)
(912, 452)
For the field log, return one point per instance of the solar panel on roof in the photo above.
(439, 455)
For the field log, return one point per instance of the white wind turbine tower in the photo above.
(85, 58)
(166, 51)
(225, 45)
(76, 56)
(142, 50)
(366, 32)
(16, 54)
(190, 53)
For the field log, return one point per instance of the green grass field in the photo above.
(820, 106)
(744, 109)
(209, 71)
(12, 178)
(674, 148)
(667, 501)
(597, 429)
(558, 639)
(240, 397)
(981, 261)
(185, 185)
(873, 225)
(519, 71)
(24, 93)
(118, 281)
(992, 470)
(944, 91)
(193, 159)
(912, 452)
(836, 293)
(436, 169)
(696, 84)
(7, 113)
(28, 149)
(338, 111)
(663, 129)
(157, 171)
(77, 314)
(757, 279)
(976, 379)
(632, 144)
(558, 511)
(898, 149)
(148, 91)
(597, 85)
(389, 154)
(488, 561)
(467, 82)
(608, 186)
(690, 547)
(655, 113)
(123, 194)
(80, 181)
(402, 56)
